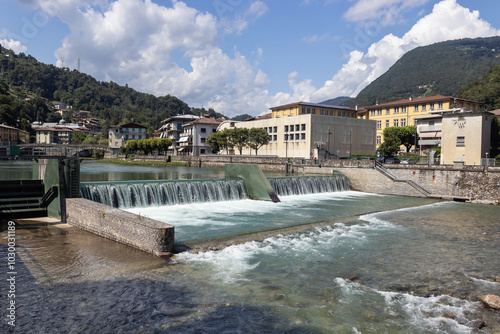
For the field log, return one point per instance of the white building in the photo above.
(173, 128)
(192, 140)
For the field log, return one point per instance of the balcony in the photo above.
(429, 128)
(429, 142)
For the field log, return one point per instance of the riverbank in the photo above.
(143, 163)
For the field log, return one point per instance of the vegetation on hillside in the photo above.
(24, 77)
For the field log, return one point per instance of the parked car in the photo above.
(368, 158)
(408, 161)
(392, 161)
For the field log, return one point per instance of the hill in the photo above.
(442, 68)
(485, 90)
(24, 78)
(338, 101)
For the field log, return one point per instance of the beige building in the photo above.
(311, 135)
(193, 139)
(55, 135)
(466, 137)
(13, 136)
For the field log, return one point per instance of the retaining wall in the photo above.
(146, 234)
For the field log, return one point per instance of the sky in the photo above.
(238, 56)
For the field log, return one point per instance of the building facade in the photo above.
(406, 112)
(118, 135)
(304, 108)
(172, 129)
(312, 135)
(54, 135)
(192, 140)
(466, 137)
(13, 136)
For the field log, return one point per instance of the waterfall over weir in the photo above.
(155, 193)
(309, 185)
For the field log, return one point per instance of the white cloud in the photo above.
(447, 21)
(386, 12)
(240, 23)
(14, 45)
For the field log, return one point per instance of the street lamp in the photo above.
(350, 142)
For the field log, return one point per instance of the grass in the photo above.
(143, 163)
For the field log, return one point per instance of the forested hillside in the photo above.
(442, 68)
(485, 90)
(22, 76)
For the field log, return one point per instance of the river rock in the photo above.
(491, 301)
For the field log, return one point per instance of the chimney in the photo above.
(411, 98)
(356, 107)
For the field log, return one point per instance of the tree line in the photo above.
(240, 138)
(147, 146)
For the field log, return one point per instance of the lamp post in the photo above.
(350, 142)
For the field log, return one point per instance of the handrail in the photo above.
(380, 168)
(49, 196)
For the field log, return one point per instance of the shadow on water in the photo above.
(173, 304)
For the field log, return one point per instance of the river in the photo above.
(377, 264)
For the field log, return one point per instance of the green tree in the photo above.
(164, 144)
(407, 136)
(131, 146)
(257, 138)
(78, 137)
(90, 140)
(213, 140)
(239, 138)
(392, 142)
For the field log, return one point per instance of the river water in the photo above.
(377, 264)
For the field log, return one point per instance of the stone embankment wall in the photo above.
(146, 234)
(475, 182)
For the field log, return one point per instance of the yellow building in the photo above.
(405, 112)
(304, 108)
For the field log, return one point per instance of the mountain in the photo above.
(441, 68)
(485, 90)
(23, 78)
(338, 101)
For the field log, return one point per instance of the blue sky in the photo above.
(238, 56)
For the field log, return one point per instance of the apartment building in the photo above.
(192, 140)
(118, 135)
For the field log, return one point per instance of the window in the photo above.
(297, 127)
(303, 136)
(387, 123)
(331, 112)
(291, 128)
(286, 128)
(303, 110)
(303, 127)
(403, 109)
(321, 111)
(440, 105)
(396, 122)
(286, 137)
(203, 140)
(372, 112)
(203, 130)
(314, 111)
(387, 111)
(379, 111)
(202, 151)
(275, 129)
(424, 107)
(297, 136)
(396, 110)
(460, 141)
(133, 136)
(379, 125)
(403, 121)
(415, 108)
(343, 113)
(431, 106)
(431, 123)
(379, 140)
(275, 138)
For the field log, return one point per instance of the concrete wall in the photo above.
(146, 234)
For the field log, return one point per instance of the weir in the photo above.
(125, 194)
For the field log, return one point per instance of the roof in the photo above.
(308, 104)
(495, 112)
(58, 129)
(182, 117)
(266, 116)
(416, 100)
(214, 121)
(128, 125)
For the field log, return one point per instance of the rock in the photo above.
(491, 301)
(476, 324)
(352, 277)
